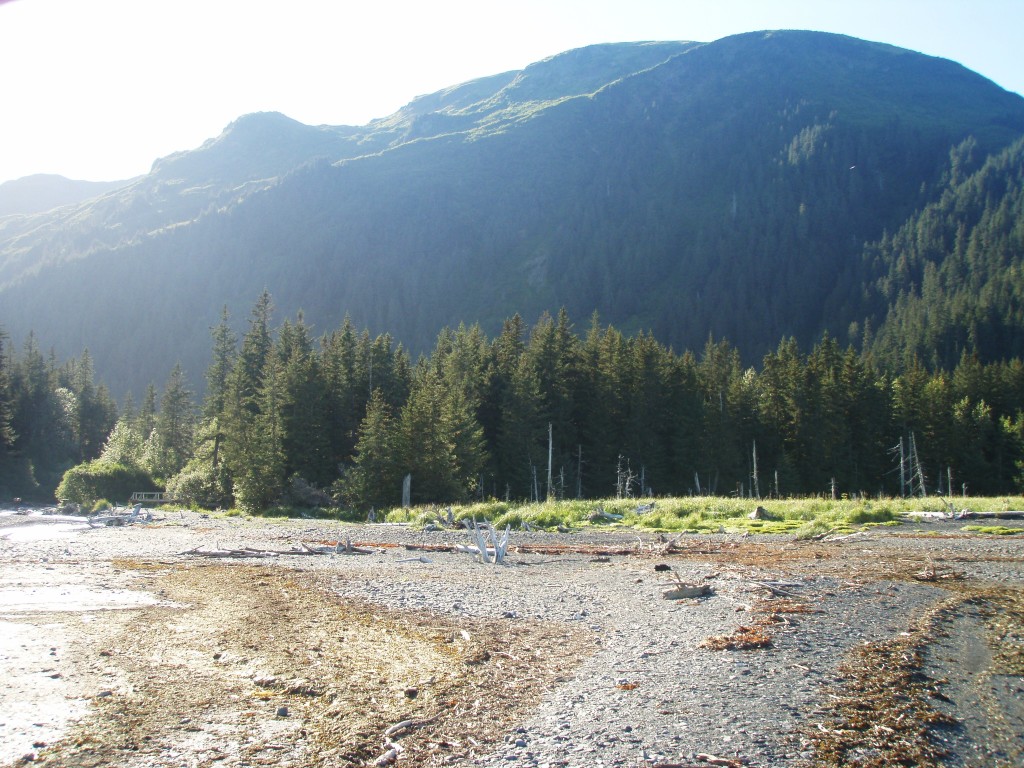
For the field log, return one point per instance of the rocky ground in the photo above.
(125, 646)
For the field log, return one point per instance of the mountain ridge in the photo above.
(42, 192)
(748, 172)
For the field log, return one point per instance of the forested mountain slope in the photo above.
(951, 279)
(725, 188)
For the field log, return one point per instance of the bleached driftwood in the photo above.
(681, 589)
(922, 515)
(725, 762)
(335, 549)
(759, 513)
(348, 549)
(400, 729)
(933, 573)
(121, 517)
(390, 757)
(471, 549)
(670, 545)
(393, 749)
(486, 547)
(856, 535)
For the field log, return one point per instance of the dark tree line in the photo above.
(52, 417)
(341, 419)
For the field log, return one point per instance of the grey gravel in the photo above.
(648, 693)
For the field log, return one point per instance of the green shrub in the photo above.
(88, 483)
(201, 486)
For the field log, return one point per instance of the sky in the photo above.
(99, 89)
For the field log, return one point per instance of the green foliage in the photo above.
(374, 480)
(800, 518)
(545, 416)
(87, 483)
(173, 434)
(7, 435)
(301, 493)
(201, 485)
(124, 445)
(547, 515)
(993, 530)
(58, 417)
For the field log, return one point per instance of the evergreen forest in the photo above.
(805, 253)
(542, 411)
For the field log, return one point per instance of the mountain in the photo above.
(949, 281)
(44, 192)
(694, 189)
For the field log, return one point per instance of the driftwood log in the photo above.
(777, 587)
(1006, 515)
(301, 549)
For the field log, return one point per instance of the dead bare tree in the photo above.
(624, 479)
(757, 485)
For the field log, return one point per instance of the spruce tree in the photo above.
(219, 372)
(304, 392)
(375, 477)
(259, 480)
(175, 425)
(7, 436)
(243, 438)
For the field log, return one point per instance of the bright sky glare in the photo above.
(99, 89)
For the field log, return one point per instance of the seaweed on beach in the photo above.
(889, 707)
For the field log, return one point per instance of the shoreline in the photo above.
(572, 656)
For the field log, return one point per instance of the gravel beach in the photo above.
(194, 640)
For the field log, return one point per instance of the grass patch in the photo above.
(703, 514)
(994, 530)
(804, 518)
